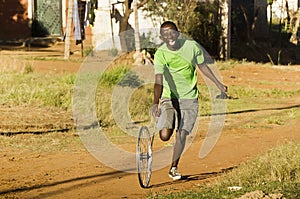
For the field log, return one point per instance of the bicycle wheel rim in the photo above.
(144, 157)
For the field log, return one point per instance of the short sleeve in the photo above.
(199, 55)
(159, 62)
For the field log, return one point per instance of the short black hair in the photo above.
(168, 23)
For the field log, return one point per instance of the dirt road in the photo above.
(75, 173)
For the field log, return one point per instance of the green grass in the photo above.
(273, 117)
(36, 89)
(104, 91)
(56, 90)
(277, 171)
(113, 76)
(249, 92)
(138, 108)
(226, 65)
(248, 98)
(49, 142)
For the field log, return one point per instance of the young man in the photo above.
(175, 88)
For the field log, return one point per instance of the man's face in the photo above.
(170, 36)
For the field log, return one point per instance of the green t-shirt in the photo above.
(179, 69)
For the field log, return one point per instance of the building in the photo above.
(23, 19)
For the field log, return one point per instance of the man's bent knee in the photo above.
(165, 134)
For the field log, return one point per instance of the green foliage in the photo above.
(205, 27)
(196, 19)
(94, 6)
(147, 43)
(270, 2)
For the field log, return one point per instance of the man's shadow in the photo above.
(193, 177)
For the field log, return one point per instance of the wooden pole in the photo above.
(111, 26)
(136, 27)
(68, 30)
(82, 54)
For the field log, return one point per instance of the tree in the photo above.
(249, 19)
(260, 25)
(295, 32)
(182, 12)
(126, 32)
(270, 4)
(197, 19)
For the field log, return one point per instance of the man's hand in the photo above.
(155, 111)
(223, 94)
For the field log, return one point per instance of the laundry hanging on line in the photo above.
(83, 16)
(79, 20)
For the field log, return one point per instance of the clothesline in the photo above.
(82, 15)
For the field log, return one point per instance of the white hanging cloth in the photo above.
(76, 21)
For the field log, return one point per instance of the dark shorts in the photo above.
(178, 114)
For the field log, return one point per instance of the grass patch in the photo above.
(48, 90)
(53, 58)
(248, 92)
(138, 108)
(48, 142)
(36, 89)
(56, 90)
(277, 171)
(113, 76)
(276, 117)
(225, 65)
(123, 77)
(248, 98)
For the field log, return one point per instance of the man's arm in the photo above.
(208, 73)
(158, 88)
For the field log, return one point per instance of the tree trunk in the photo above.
(126, 32)
(260, 25)
(271, 19)
(225, 43)
(122, 34)
(294, 37)
(136, 27)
